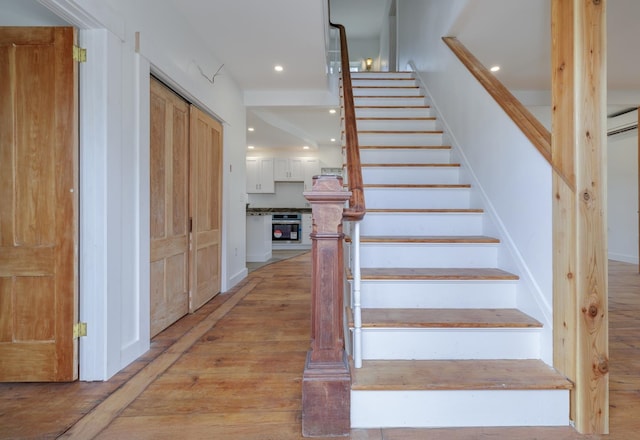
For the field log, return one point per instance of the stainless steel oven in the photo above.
(286, 228)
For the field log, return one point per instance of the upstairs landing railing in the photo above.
(326, 382)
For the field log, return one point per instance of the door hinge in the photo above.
(190, 224)
(79, 54)
(79, 329)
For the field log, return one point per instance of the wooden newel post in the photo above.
(326, 383)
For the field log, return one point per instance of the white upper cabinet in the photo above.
(311, 167)
(260, 175)
(288, 169)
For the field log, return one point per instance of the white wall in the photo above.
(127, 41)
(510, 177)
(363, 48)
(622, 196)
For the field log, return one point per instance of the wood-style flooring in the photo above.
(233, 371)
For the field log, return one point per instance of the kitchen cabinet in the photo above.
(288, 169)
(306, 229)
(260, 175)
(311, 167)
(258, 238)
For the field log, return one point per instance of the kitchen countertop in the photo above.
(278, 210)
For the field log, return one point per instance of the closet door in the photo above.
(38, 205)
(206, 207)
(169, 207)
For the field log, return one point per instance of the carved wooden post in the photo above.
(326, 383)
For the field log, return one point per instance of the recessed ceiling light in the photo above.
(333, 139)
(306, 147)
(332, 111)
(250, 129)
(278, 68)
(251, 147)
(495, 68)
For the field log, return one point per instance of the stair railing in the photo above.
(356, 210)
(326, 381)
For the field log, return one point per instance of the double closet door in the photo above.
(186, 204)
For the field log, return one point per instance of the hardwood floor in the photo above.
(233, 370)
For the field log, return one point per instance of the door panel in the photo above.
(38, 195)
(206, 207)
(169, 207)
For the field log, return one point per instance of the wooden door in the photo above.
(206, 207)
(169, 207)
(38, 204)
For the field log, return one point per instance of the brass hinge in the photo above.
(79, 54)
(79, 329)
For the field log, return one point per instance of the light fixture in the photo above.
(494, 68)
(250, 129)
(306, 147)
(333, 139)
(368, 63)
(332, 111)
(278, 68)
(251, 147)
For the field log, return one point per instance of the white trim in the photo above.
(235, 279)
(85, 17)
(93, 207)
(624, 258)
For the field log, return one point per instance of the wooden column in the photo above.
(581, 349)
(326, 383)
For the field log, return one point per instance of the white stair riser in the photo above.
(421, 224)
(438, 294)
(401, 112)
(455, 408)
(387, 91)
(428, 255)
(394, 102)
(400, 155)
(418, 198)
(450, 343)
(401, 139)
(411, 175)
(379, 75)
(398, 125)
(390, 82)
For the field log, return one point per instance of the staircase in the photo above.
(443, 343)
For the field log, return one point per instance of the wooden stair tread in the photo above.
(480, 239)
(430, 273)
(493, 374)
(421, 97)
(417, 185)
(427, 211)
(386, 87)
(400, 132)
(408, 165)
(445, 318)
(404, 147)
(405, 118)
(392, 106)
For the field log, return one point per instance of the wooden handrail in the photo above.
(357, 208)
(537, 133)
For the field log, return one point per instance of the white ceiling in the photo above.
(251, 36)
(515, 34)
